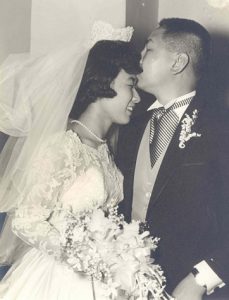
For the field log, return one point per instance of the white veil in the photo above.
(41, 94)
(36, 96)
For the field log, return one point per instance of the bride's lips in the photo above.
(130, 108)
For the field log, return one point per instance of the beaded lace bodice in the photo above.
(67, 175)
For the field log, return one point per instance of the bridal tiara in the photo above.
(105, 31)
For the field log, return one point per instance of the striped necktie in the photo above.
(163, 124)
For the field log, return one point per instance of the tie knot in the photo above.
(158, 113)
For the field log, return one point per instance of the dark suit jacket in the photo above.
(189, 205)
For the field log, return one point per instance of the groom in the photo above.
(175, 164)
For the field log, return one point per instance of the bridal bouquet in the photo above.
(105, 247)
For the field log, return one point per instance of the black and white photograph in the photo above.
(114, 150)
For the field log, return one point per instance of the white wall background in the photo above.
(45, 24)
(58, 22)
(15, 16)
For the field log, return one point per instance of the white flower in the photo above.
(114, 253)
(186, 129)
(78, 234)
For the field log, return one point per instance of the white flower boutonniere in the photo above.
(186, 129)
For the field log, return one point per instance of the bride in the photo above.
(58, 165)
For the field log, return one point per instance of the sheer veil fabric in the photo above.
(37, 94)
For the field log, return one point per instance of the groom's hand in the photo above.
(188, 289)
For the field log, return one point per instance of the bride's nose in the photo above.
(136, 98)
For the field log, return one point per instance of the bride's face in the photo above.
(120, 108)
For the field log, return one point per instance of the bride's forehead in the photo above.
(125, 77)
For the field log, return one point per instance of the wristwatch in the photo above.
(198, 278)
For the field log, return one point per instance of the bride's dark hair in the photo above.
(105, 60)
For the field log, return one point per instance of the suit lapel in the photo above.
(174, 155)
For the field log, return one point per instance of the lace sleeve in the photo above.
(44, 183)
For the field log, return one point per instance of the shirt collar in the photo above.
(157, 104)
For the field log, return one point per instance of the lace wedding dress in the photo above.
(68, 175)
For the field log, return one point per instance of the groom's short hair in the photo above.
(188, 36)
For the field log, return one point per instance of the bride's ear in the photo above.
(180, 63)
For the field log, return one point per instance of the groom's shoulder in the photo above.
(213, 113)
(215, 125)
(216, 117)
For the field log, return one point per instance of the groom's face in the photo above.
(157, 61)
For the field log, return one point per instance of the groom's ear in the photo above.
(180, 63)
